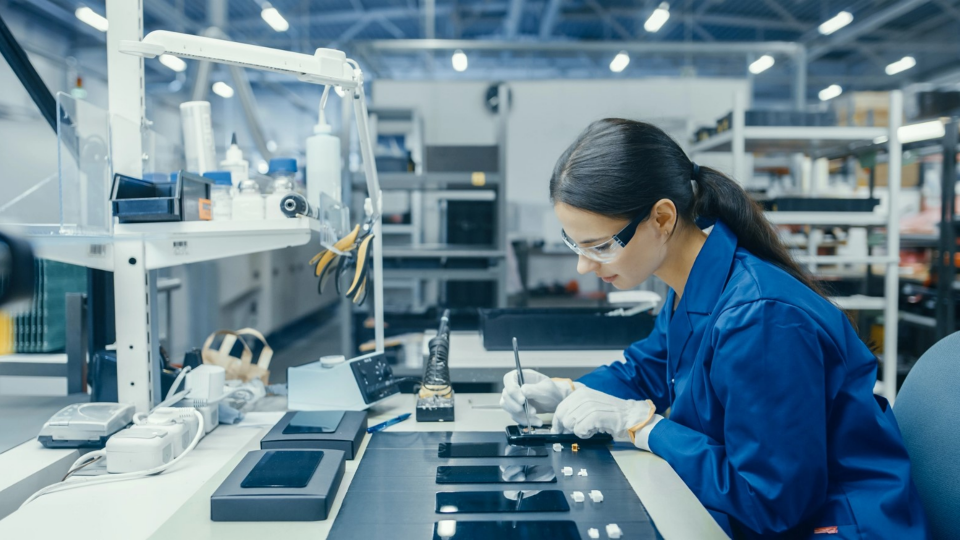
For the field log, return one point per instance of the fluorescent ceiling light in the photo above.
(274, 18)
(619, 62)
(761, 64)
(459, 60)
(902, 64)
(830, 92)
(172, 62)
(658, 18)
(837, 22)
(921, 132)
(92, 18)
(222, 89)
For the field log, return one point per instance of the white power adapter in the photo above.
(138, 448)
(205, 384)
(177, 414)
(179, 432)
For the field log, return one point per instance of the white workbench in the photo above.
(176, 504)
(471, 363)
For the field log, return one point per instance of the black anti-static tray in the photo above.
(393, 493)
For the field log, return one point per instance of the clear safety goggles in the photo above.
(609, 250)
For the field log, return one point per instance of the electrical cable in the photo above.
(75, 469)
(177, 381)
(123, 476)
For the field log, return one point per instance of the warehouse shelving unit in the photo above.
(134, 251)
(815, 141)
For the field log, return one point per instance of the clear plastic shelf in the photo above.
(334, 219)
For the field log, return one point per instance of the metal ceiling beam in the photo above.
(549, 19)
(786, 15)
(511, 25)
(716, 48)
(170, 15)
(947, 7)
(609, 19)
(868, 25)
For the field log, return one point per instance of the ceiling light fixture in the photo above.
(222, 89)
(830, 92)
(620, 62)
(658, 18)
(837, 22)
(921, 132)
(172, 62)
(92, 18)
(459, 60)
(900, 65)
(761, 64)
(274, 18)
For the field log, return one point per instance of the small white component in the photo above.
(596, 496)
(557, 447)
(138, 448)
(567, 471)
(583, 472)
(577, 496)
(613, 531)
(593, 533)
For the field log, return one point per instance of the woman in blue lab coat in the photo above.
(773, 423)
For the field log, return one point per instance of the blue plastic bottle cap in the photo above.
(282, 165)
(220, 178)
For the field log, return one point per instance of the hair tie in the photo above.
(696, 170)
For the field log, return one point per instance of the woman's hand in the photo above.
(542, 393)
(587, 412)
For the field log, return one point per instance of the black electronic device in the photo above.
(488, 450)
(542, 436)
(495, 474)
(283, 469)
(318, 430)
(314, 422)
(374, 378)
(280, 485)
(505, 530)
(490, 502)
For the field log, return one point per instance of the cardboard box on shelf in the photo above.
(909, 175)
(864, 109)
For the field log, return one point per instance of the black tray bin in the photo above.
(141, 201)
(561, 329)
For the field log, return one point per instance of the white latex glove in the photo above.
(587, 412)
(543, 394)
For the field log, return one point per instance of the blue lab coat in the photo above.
(773, 422)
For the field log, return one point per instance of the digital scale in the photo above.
(85, 425)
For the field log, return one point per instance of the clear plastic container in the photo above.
(248, 204)
(283, 171)
(221, 198)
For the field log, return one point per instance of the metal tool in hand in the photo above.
(516, 356)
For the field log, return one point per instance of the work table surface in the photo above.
(176, 504)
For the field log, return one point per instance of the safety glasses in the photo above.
(609, 250)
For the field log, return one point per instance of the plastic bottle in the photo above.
(220, 195)
(198, 136)
(248, 203)
(323, 163)
(238, 167)
(283, 171)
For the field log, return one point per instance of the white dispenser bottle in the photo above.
(323, 163)
(238, 167)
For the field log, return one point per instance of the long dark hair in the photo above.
(621, 168)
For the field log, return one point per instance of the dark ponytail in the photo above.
(621, 168)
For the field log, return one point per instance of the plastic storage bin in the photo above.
(185, 198)
(561, 329)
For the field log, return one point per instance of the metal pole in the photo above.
(946, 306)
(800, 78)
(892, 278)
(135, 354)
(373, 190)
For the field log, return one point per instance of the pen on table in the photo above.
(384, 425)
